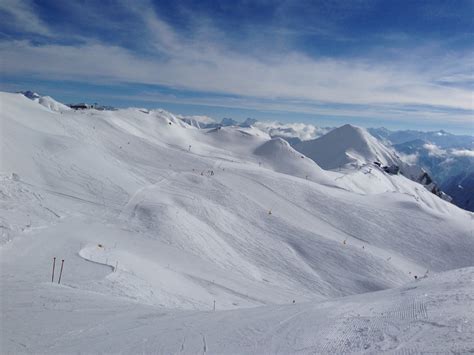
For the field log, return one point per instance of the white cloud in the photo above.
(463, 153)
(434, 150)
(23, 17)
(409, 158)
(292, 76)
(302, 131)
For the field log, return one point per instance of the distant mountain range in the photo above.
(441, 138)
(451, 167)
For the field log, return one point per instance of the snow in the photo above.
(198, 121)
(346, 145)
(45, 101)
(52, 104)
(157, 220)
(426, 316)
(353, 149)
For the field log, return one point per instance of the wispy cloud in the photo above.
(409, 158)
(463, 153)
(294, 106)
(291, 76)
(21, 15)
(393, 88)
(434, 150)
(302, 131)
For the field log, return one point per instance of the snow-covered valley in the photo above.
(220, 240)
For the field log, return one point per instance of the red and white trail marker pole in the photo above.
(54, 265)
(61, 271)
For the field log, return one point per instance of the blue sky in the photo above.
(398, 64)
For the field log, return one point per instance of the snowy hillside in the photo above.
(52, 104)
(158, 221)
(347, 145)
(199, 121)
(46, 101)
(350, 149)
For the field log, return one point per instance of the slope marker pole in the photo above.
(54, 265)
(61, 271)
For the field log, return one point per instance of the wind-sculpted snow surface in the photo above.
(159, 222)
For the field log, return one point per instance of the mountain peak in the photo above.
(351, 129)
(248, 122)
(346, 145)
(30, 94)
(229, 122)
(348, 126)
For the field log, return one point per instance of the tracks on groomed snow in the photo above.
(375, 331)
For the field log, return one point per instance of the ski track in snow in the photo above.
(357, 331)
(238, 219)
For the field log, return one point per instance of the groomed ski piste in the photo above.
(177, 239)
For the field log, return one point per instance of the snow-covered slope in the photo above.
(347, 145)
(281, 157)
(151, 214)
(430, 316)
(199, 121)
(351, 148)
(52, 104)
(46, 101)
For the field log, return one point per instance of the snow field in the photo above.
(157, 219)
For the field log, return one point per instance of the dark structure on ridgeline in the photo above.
(81, 106)
(96, 106)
